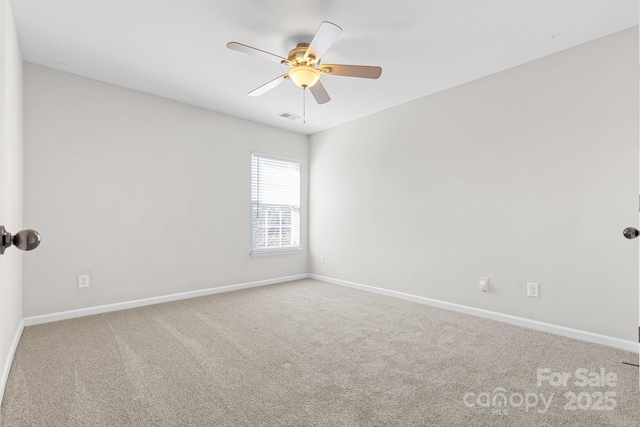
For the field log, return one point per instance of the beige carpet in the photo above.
(308, 353)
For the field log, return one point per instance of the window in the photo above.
(275, 204)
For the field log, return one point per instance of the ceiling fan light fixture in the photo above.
(304, 75)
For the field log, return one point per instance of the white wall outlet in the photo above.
(321, 259)
(83, 281)
(533, 290)
(484, 284)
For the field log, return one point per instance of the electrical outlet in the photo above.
(533, 290)
(484, 284)
(321, 259)
(83, 281)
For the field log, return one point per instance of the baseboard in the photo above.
(81, 312)
(505, 318)
(12, 351)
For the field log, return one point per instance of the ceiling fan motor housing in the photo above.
(296, 55)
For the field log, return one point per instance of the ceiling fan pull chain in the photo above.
(304, 105)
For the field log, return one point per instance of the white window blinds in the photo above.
(275, 203)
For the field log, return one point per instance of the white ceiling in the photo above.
(176, 49)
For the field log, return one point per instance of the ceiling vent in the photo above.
(289, 116)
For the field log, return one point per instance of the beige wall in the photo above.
(148, 196)
(10, 185)
(530, 174)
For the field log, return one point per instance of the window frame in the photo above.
(282, 250)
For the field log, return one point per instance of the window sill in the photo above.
(268, 252)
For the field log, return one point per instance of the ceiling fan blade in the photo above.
(322, 41)
(256, 52)
(364, 71)
(320, 93)
(268, 86)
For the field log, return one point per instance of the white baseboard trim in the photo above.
(81, 312)
(505, 318)
(12, 351)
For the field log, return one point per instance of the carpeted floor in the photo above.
(308, 353)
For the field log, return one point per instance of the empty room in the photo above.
(319, 213)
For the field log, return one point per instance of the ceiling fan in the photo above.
(304, 60)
